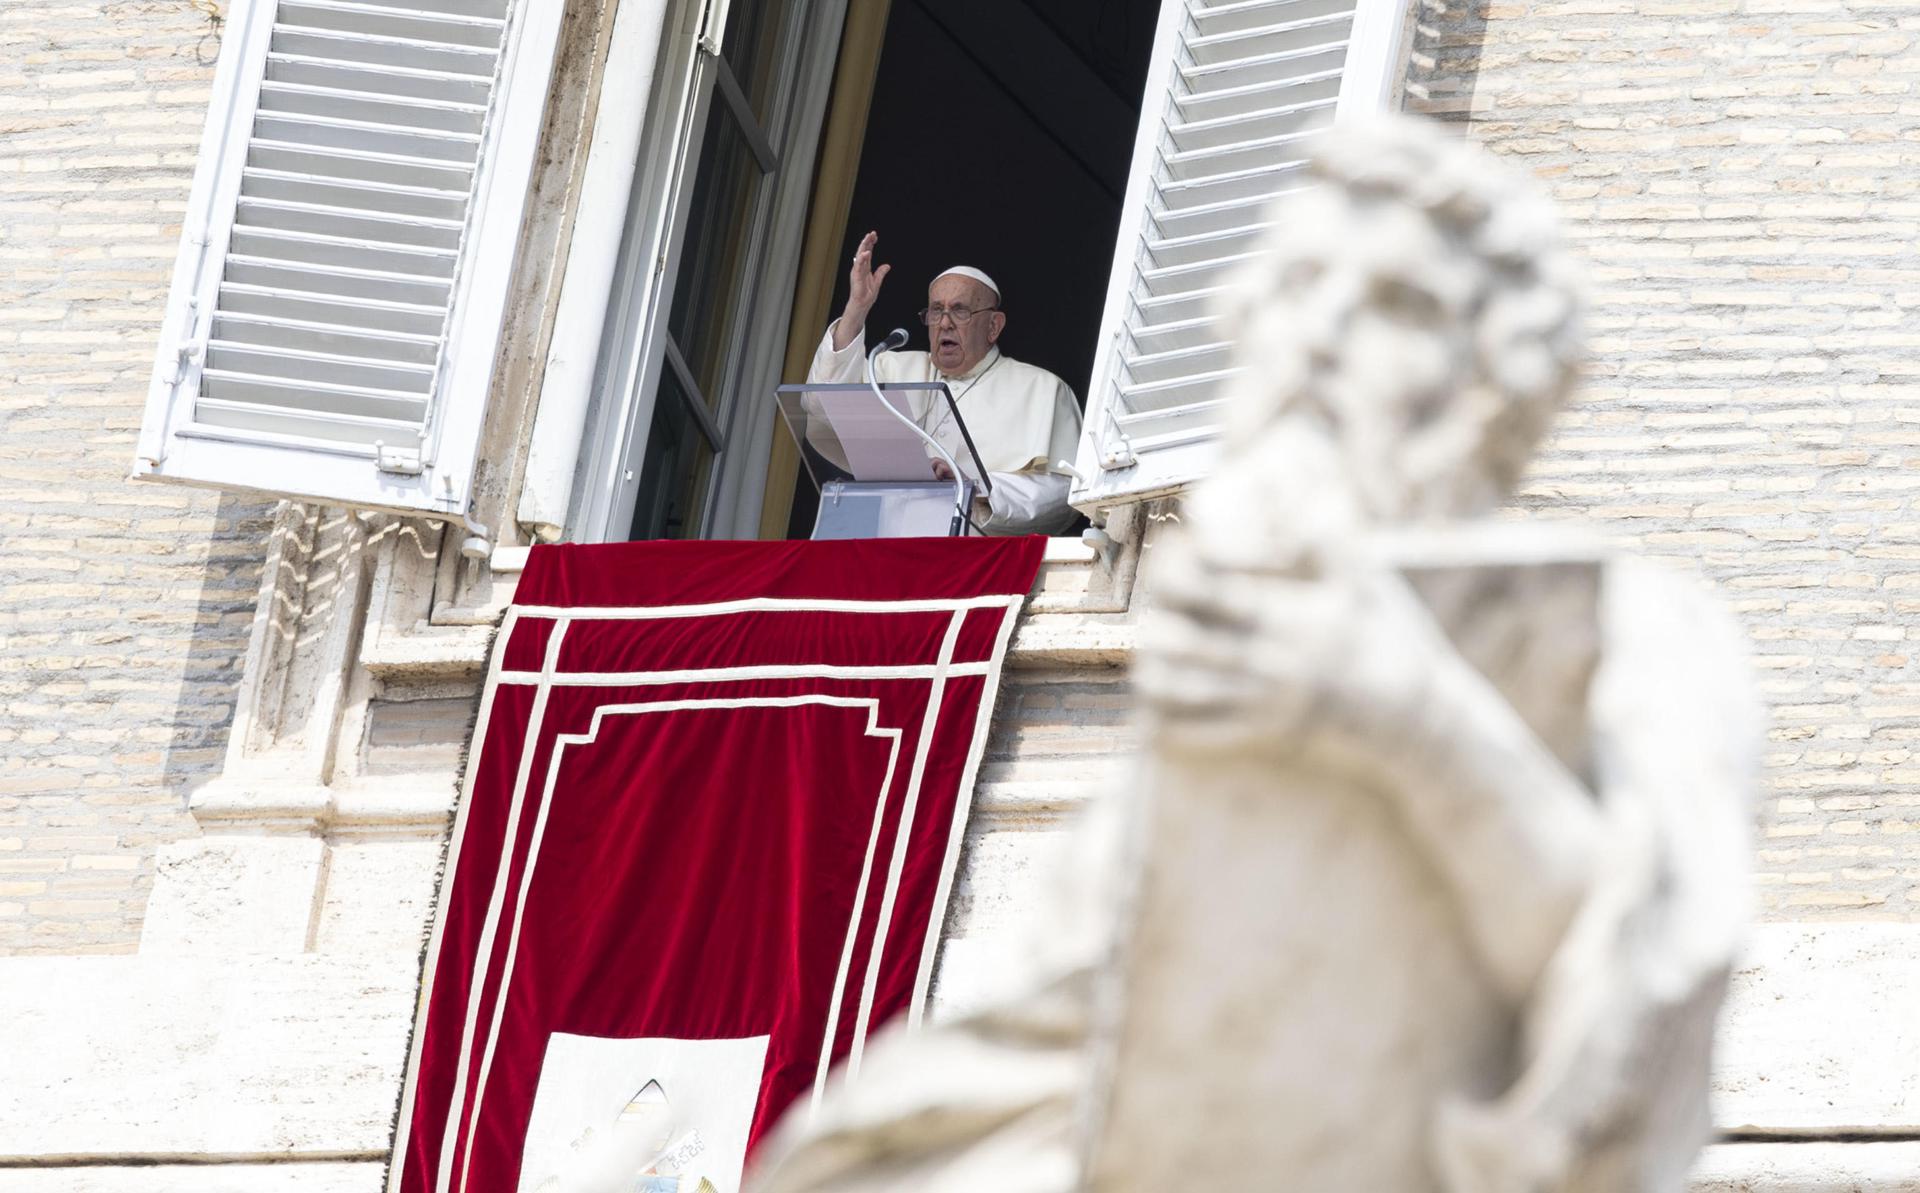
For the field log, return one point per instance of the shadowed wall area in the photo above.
(999, 137)
(124, 608)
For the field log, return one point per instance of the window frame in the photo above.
(712, 414)
(634, 343)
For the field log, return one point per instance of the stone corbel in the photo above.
(1094, 573)
(293, 688)
(339, 590)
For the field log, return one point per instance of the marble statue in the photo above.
(1436, 865)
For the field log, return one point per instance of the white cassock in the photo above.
(1023, 420)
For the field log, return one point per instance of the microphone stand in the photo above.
(898, 339)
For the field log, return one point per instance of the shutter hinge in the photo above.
(403, 460)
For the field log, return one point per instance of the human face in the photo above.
(956, 347)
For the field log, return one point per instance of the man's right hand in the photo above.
(863, 288)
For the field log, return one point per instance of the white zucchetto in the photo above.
(978, 275)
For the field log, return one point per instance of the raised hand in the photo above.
(863, 281)
(863, 287)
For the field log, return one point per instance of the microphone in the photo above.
(896, 340)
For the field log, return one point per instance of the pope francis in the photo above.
(1023, 419)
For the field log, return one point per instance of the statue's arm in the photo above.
(1352, 673)
(1619, 1032)
(1510, 830)
(1525, 845)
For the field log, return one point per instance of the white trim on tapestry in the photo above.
(761, 605)
(560, 744)
(549, 677)
(442, 904)
(642, 679)
(909, 803)
(483, 954)
(853, 927)
(962, 806)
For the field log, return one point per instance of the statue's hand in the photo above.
(1237, 658)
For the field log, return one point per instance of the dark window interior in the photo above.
(1000, 136)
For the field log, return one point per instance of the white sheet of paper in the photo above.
(878, 447)
(586, 1081)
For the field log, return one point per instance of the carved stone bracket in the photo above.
(334, 584)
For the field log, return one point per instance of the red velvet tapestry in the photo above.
(704, 848)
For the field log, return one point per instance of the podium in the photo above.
(875, 475)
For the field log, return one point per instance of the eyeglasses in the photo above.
(961, 315)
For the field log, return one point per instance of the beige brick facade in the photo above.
(123, 609)
(1744, 178)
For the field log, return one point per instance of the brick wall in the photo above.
(123, 608)
(1744, 178)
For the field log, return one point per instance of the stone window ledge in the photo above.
(1078, 615)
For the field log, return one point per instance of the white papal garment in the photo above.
(1023, 419)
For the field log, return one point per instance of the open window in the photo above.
(346, 251)
(346, 256)
(1108, 161)
(999, 135)
(996, 133)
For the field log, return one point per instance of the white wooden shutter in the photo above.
(346, 251)
(1234, 90)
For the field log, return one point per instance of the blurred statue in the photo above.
(1436, 867)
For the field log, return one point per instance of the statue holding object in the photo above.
(1436, 865)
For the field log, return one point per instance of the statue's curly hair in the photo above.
(1520, 321)
(1533, 298)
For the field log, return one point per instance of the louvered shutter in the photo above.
(346, 251)
(1234, 91)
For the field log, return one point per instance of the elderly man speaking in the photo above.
(1023, 418)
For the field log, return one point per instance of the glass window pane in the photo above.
(709, 295)
(673, 476)
(749, 45)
